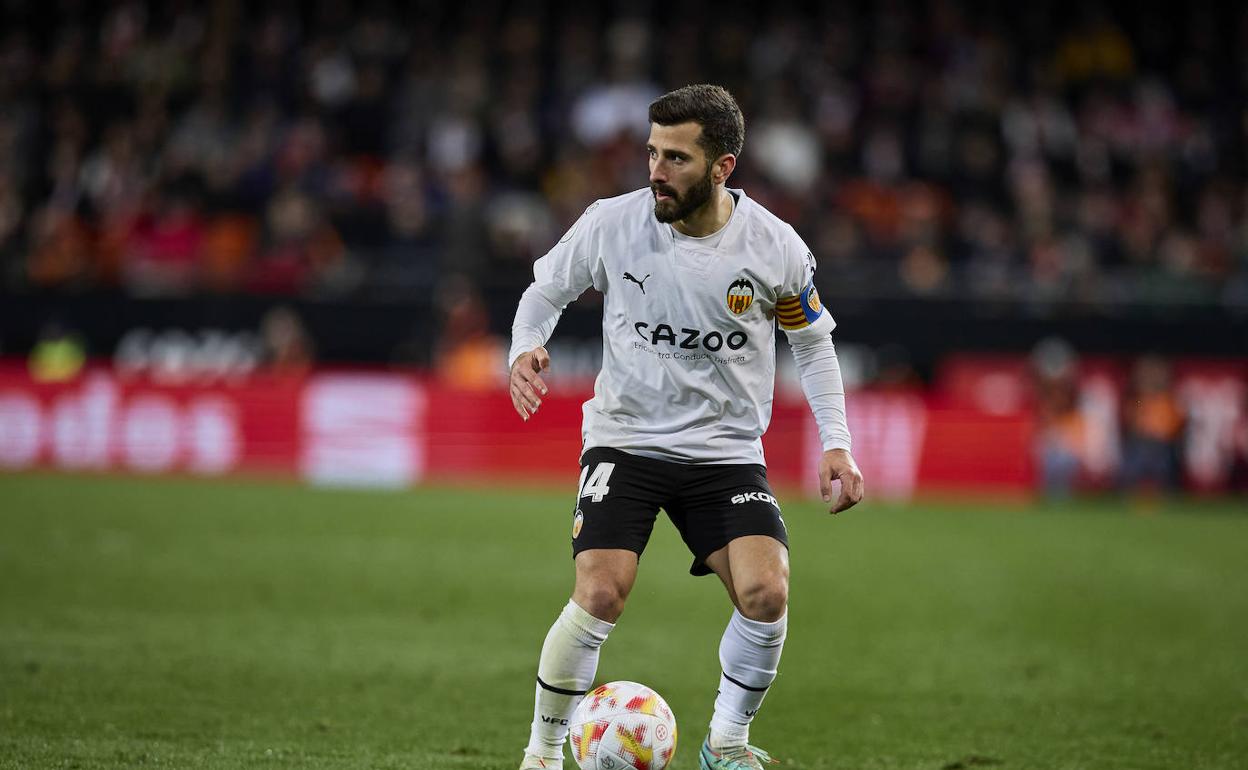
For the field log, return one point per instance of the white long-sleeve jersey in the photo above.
(688, 360)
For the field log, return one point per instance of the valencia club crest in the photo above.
(740, 296)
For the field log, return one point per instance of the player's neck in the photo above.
(709, 217)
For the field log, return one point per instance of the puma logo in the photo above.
(641, 283)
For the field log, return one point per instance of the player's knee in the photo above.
(604, 600)
(764, 600)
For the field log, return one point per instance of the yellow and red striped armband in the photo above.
(801, 311)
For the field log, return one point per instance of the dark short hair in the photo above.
(713, 108)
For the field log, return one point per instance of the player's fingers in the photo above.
(541, 359)
(533, 379)
(845, 501)
(528, 396)
(854, 480)
(860, 489)
(516, 402)
(523, 395)
(851, 491)
(825, 484)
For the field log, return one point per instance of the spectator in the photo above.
(162, 252)
(288, 349)
(1061, 428)
(59, 250)
(227, 248)
(58, 355)
(1238, 481)
(300, 247)
(1152, 428)
(943, 150)
(467, 354)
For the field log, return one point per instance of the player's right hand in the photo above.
(527, 387)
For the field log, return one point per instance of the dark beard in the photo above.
(681, 206)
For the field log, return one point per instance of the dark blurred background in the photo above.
(282, 183)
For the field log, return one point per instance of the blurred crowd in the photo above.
(1136, 426)
(1045, 153)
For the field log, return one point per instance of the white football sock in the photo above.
(564, 674)
(750, 656)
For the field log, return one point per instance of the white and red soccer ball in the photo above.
(623, 726)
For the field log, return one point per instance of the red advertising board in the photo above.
(345, 428)
(99, 421)
(1211, 394)
(391, 429)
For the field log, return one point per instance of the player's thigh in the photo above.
(722, 504)
(617, 501)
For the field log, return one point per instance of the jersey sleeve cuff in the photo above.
(837, 443)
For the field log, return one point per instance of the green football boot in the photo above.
(738, 758)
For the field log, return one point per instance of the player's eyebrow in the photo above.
(669, 153)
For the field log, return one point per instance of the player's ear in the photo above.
(723, 168)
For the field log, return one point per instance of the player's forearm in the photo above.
(535, 321)
(825, 390)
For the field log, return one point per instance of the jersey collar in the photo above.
(730, 230)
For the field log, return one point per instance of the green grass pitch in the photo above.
(174, 623)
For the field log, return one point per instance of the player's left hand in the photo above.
(838, 464)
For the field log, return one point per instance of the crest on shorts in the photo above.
(740, 296)
(577, 522)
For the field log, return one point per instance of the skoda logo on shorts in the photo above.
(577, 521)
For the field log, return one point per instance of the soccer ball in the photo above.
(623, 726)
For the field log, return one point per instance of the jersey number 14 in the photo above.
(594, 485)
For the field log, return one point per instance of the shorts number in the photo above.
(596, 486)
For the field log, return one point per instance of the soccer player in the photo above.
(695, 277)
